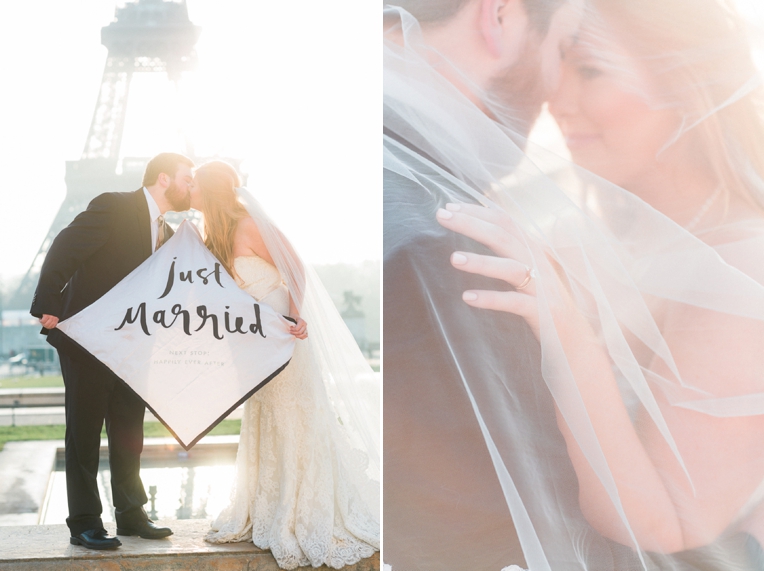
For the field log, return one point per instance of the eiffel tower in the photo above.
(146, 36)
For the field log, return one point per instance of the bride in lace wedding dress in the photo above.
(307, 483)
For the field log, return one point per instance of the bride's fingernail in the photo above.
(444, 214)
(469, 296)
(458, 259)
(453, 207)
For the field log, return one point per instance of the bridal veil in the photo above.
(626, 430)
(352, 387)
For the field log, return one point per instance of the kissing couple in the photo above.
(300, 489)
(574, 294)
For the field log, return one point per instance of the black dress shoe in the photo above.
(95, 539)
(145, 529)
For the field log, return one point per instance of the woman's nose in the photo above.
(564, 101)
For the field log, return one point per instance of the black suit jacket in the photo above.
(433, 443)
(96, 251)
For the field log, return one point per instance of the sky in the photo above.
(293, 88)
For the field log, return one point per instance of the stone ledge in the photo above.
(47, 548)
(44, 396)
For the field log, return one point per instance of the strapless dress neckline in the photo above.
(259, 278)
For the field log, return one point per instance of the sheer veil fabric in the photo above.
(622, 426)
(351, 385)
(308, 468)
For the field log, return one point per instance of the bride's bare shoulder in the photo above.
(248, 226)
(247, 232)
(247, 240)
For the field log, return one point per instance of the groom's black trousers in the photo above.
(92, 396)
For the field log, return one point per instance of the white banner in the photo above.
(184, 337)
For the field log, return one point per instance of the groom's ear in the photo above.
(503, 25)
(164, 179)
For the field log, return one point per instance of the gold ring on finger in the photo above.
(529, 275)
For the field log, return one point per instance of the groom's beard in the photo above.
(519, 93)
(179, 200)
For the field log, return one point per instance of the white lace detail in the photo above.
(300, 491)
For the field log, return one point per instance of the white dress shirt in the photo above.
(154, 215)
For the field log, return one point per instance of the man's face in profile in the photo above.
(178, 194)
(516, 96)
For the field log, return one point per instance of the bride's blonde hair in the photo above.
(222, 210)
(699, 52)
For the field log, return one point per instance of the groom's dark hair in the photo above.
(433, 11)
(167, 163)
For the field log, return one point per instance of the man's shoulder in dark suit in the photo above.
(417, 251)
(101, 246)
(430, 333)
(119, 203)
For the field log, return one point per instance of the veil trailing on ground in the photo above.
(352, 387)
(627, 432)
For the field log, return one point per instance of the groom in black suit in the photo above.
(103, 244)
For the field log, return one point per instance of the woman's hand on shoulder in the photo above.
(299, 329)
(495, 230)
